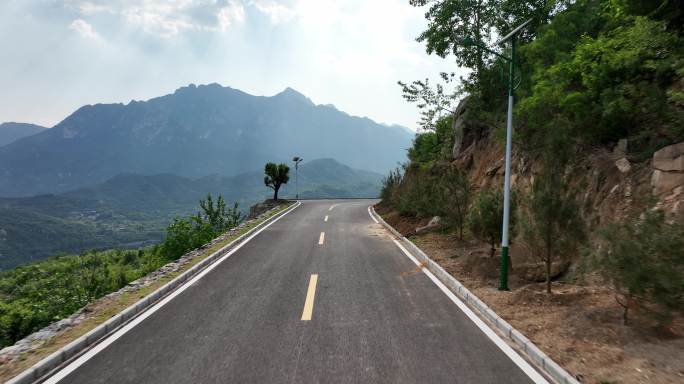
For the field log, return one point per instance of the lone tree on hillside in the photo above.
(276, 175)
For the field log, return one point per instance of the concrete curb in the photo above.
(64, 354)
(534, 354)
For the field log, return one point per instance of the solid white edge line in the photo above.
(64, 372)
(512, 354)
(532, 373)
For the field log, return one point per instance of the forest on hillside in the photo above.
(588, 75)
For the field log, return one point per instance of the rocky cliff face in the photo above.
(610, 185)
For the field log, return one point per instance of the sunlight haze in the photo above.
(69, 53)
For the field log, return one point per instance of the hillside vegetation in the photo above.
(590, 73)
(129, 211)
(35, 295)
(596, 217)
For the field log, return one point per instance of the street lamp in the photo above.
(297, 160)
(467, 41)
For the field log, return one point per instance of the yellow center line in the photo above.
(321, 239)
(310, 295)
(326, 218)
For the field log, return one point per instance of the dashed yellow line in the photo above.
(310, 296)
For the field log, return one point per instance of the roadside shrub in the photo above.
(454, 199)
(390, 186)
(433, 145)
(186, 234)
(643, 259)
(485, 218)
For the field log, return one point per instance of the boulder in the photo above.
(431, 225)
(670, 158)
(663, 181)
(623, 165)
(536, 272)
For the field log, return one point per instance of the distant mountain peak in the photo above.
(11, 131)
(293, 94)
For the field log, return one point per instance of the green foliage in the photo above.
(390, 186)
(485, 219)
(276, 175)
(37, 294)
(644, 261)
(605, 74)
(433, 145)
(186, 234)
(454, 199)
(34, 295)
(551, 225)
(429, 190)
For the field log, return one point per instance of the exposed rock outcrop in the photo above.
(668, 168)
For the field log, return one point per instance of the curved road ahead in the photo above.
(295, 305)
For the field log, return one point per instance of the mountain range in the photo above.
(195, 132)
(11, 132)
(131, 210)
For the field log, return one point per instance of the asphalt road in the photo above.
(374, 317)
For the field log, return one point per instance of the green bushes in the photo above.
(605, 74)
(485, 219)
(37, 294)
(429, 190)
(34, 295)
(186, 234)
(644, 262)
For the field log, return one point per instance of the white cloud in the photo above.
(88, 8)
(348, 53)
(233, 12)
(278, 13)
(167, 18)
(84, 29)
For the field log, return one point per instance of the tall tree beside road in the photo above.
(276, 175)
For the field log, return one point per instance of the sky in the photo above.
(59, 55)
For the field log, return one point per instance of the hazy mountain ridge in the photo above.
(130, 208)
(11, 132)
(194, 132)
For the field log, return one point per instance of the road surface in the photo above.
(323, 295)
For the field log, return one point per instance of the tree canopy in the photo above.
(276, 176)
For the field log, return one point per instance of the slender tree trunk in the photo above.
(548, 271)
(275, 192)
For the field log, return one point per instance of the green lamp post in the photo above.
(296, 161)
(503, 268)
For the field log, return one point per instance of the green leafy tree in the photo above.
(449, 20)
(644, 261)
(276, 176)
(485, 218)
(455, 198)
(552, 227)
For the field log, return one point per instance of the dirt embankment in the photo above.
(579, 326)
